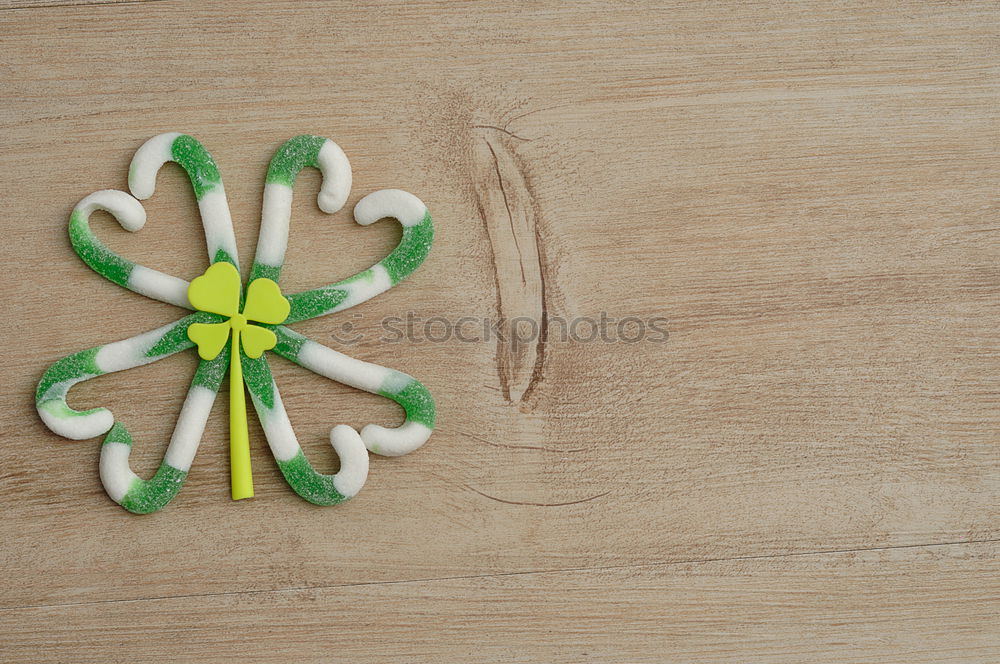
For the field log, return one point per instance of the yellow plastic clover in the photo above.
(218, 292)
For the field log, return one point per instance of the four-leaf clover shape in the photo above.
(255, 324)
(218, 292)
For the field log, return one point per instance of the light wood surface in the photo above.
(806, 470)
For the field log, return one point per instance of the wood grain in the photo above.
(805, 193)
(505, 203)
(912, 605)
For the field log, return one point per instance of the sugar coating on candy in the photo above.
(125, 487)
(318, 152)
(159, 286)
(218, 226)
(274, 421)
(395, 441)
(343, 368)
(67, 371)
(143, 496)
(257, 375)
(205, 179)
(146, 163)
(416, 400)
(353, 456)
(273, 240)
(131, 215)
(317, 302)
(116, 476)
(190, 427)
(409, 393)
(74, 424)
(126, 210)
(195, 159)
(403, 206)
(290, 159)
(210, 374)
(413, 247)
(313, 486)
(50, 397)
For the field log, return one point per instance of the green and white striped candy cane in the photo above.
(146, 163)
(296, 154)
(418, 230)
(351, 448)
(132, 217)
(122, 485)
(315, 487)
(416, 400)
(413, 247)
(192, 156)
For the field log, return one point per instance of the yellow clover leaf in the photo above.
(218, 292)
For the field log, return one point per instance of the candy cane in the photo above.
(138, 278)
(405, 390)
(119, 481)
(416, 400)
(324, 154)
(294, 155)
(144, 496)
(315, 487)
(192, 156)
(123, 485)
(413, 247)
(148, 159)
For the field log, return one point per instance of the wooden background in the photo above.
(807, 469)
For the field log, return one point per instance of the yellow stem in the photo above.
(239, 440)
